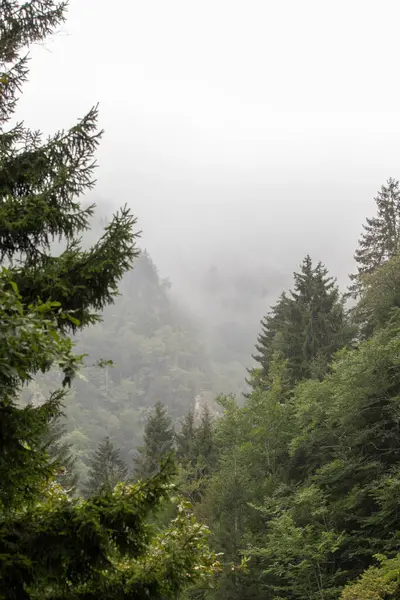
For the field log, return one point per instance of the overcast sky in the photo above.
(246, 130)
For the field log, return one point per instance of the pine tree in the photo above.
(380, 240)
(106, 469)
(158, 443)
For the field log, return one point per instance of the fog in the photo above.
(243, 134)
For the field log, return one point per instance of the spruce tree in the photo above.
(61, 455)
(271, 339)
(196, 453)
(158, 443)
(380, 296)
(187, 456)
(380, 240)
(40, 185)
(106, 469)
(305, 327)
(317, 326)
(185, 438)
(206, 443)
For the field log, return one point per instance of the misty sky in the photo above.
(242, 131)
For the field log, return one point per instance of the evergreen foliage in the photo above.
(206, 444)
(306, 327)
(377, 582)
(40, 183)
(186, 443)
(158, 443)
(381, 237)
(270, 340)
(30, 342)
(380, 297)
(61, 455)
(196, 453)
(106, 469)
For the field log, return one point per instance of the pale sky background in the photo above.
(242, 132)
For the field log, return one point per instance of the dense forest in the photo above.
(157, 353)
(143, 455)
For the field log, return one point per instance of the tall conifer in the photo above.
(106, 469)
(61, 455)
(306, 327)
(380, 239)
(41, 182)
(158, 443)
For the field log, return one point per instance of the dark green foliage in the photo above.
(101, 548)
(347, 456)
(253, 458)
(106, 469)
(270, 340)
(377, 583)
(196, 453)
(308, 477)
(29, 342)
(380, 296)
(21, 26)
(206, 443)
(316, 322)
(62, 459)
(186, 442)
(381, 237)
(225, 505)
(302, 481)
(306, 327)
(39, 187)
(158, 443)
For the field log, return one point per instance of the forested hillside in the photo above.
(158, 353)
(305, 483)
(298, 479)
(146, 455)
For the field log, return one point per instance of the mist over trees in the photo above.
(148, 453)
(52, 544)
